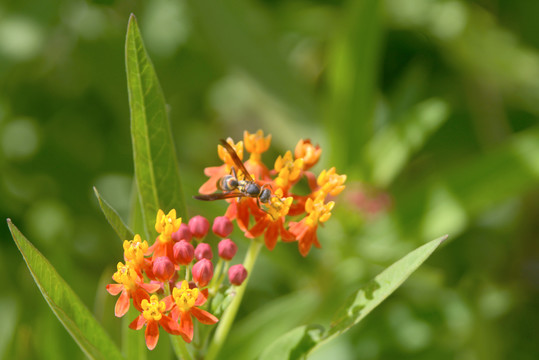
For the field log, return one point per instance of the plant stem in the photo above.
(179, 347)
(230, 313)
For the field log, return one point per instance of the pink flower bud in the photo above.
(183, 252)
(183, 233)
(227, 249)
(202, 272)
(199, 226)
(222, 226)
(163, 268)
(237, 274)
(203, 251)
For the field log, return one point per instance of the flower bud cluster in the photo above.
(178, 269)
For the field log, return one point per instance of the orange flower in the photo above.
(271, 216)
(134, 251)
(239, 210)
(186, 302)
(271, 223)
(330, 183)
(308, 152)
(153, 316)
(131, 285)
(289, 171)
(305, 230)
(256, 144)
(165, 225)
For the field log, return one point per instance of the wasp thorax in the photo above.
(252, 189)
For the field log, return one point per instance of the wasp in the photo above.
(231, 186)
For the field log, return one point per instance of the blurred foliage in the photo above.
(431, 107)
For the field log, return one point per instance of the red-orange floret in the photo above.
(153, 316)
(131, 286)
(186, 305)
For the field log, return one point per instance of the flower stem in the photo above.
(225, 323)
(179, 346)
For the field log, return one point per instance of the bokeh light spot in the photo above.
(20, 38)
(20, 139)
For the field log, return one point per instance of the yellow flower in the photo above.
(289, 170)
(166, 225)
(135, 249)
(256, 143)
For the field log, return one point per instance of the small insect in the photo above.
(231, 186)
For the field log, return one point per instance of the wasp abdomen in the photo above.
(227, 183)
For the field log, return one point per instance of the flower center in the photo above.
(135, 249)
(125, 275)
(184, 297)
(153, 309)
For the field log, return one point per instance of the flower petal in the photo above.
(270, 237)
(242, 218)
(203, 316)
(151, 334)
(186, 327)
(114, 289)
(169, 302)
(138, 323)
(122, 304)
(151, 288)
(138, 296)
(286, 235)
(202, 297)
(170, 326)
(258, 229)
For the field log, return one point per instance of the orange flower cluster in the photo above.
(270, 218)
(178, 267)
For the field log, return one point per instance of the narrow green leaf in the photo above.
(367, 298)
(296, 344)
(124, 233)
(352, 74)
(156, 167)
(68, 308)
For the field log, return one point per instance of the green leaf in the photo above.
(136, 221)
(124, 233)
(297, 343)
(352, 77)
(68, 308)
(370, 296)
(156, 167)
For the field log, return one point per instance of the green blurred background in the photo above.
(430, 107)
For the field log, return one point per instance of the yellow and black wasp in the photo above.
(231, 186)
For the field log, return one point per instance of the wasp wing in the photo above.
(237, 160)
(219, 196)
